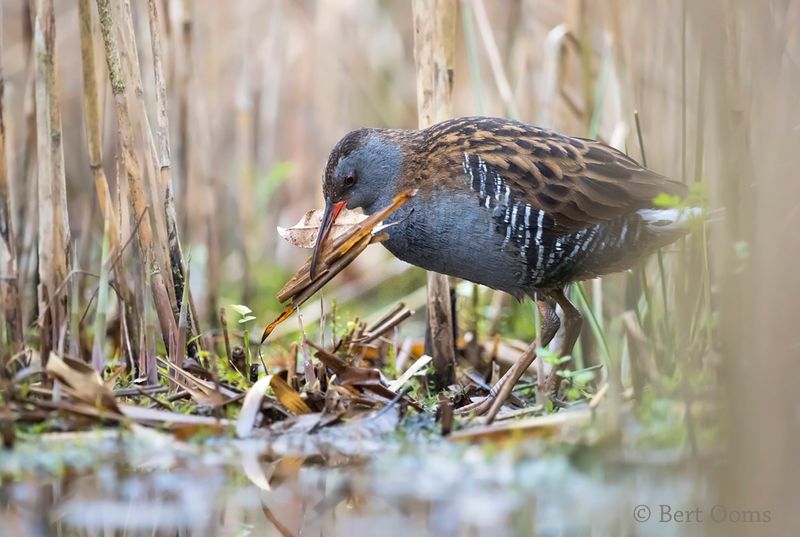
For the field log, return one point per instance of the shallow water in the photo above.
(341, 482)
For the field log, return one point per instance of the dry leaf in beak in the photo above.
(304, 233)
(334, 258)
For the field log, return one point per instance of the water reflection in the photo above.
(146, 483)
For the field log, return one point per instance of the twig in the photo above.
(308, 365)
(399, 397)
(223, 321)
(597, 397)
(59, 289)
(155, 400)
(127, 392)
(381, 329)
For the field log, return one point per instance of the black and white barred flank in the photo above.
(554, 258)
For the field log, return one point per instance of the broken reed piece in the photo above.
(382, 328)
(357, 377)
(334, 258)
(386, 316)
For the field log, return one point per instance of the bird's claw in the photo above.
(480, 408)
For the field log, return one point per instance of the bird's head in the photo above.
(362, 171)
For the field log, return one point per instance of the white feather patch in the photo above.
(668, 220)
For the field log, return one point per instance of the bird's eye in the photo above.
(349, 181)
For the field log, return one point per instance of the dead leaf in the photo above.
(84, 382)
(288, 396)
(304, 233)
(201, 391)
(250, 407)
(357, 377)
(188, 431)
(285, 468)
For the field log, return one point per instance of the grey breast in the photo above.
(447, 233)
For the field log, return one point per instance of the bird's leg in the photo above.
(500, 392)
(550, 321)
(549, 326)
(573, 320)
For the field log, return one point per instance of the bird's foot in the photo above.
(501, 391)
(479, 408)
(491, 404)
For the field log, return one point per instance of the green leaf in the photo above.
(246, 319)
(193, 339)
(554, 359)
(241, 309)
(582, 378)
(666, 200)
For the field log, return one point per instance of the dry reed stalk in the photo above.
(54, 235)
(434, 46)
(245, 131)
(91, 107)
(92, 120)
(216, 185)
(176, 257)
(184, 70)
(133, 173)
(27, 211)
(493, 55)
(752, 100)
(9, 289)
(199, 184)
(129, 55)
(578, 24)
(128, 225)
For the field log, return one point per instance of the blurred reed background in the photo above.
(257, 92)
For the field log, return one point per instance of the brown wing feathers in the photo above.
(578, 182)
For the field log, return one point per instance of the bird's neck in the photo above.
(400, 180)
